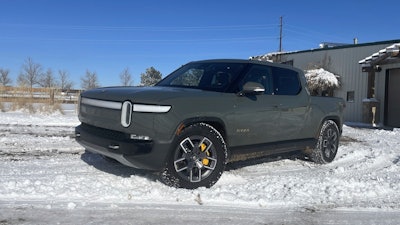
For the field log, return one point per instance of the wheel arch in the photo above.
(215, 122)
(335, 119)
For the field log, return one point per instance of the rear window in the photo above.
(286, 81)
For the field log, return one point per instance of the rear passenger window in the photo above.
(286, 81)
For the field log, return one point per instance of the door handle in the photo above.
(113, 147)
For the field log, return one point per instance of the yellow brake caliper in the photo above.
(205, 161)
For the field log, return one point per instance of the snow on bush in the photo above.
(320, 80)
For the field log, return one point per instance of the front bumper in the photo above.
(141, 154)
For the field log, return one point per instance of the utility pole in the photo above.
(280, 35)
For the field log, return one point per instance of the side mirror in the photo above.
(252, 88)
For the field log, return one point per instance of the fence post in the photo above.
(51, 96)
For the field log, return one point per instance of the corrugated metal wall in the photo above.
(343, 62)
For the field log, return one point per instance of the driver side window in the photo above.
(262, 75)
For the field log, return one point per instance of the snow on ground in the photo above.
(46, 177)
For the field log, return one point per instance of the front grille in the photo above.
(105, 137)
(105, 133)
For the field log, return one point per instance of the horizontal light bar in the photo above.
(117, 105)
(151, 108)
(101, 103)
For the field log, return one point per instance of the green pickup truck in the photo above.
(208, 113)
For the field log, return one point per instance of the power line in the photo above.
(141, 28)
(118, 41)
(312, 34)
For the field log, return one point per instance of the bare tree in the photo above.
(65, 83)
(126, 77)
(48, 80)
(150, 77)
(4, 79)
(90, 80)
(31, 73)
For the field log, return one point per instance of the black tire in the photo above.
(197, 159)
(327, 145)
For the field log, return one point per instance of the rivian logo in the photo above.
(243, 130)
(126, 114)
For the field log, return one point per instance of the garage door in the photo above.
(393, 101)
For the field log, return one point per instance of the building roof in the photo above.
(381, 56)
(270, 55)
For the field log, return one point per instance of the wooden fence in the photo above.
(38, 95)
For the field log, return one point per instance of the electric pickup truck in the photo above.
(206, 114)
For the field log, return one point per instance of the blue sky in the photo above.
(108, 36)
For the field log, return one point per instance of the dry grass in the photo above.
(50, 108)
(36, 100)
(28, 105)
(24, 104)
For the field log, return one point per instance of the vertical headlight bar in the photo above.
(126, 114)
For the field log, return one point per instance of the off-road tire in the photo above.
(327, 145)
(198, 158)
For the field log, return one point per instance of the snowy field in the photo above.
(47, 178)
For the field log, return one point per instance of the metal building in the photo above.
(369, 75)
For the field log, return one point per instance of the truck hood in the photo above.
(149, 95)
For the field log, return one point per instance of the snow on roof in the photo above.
(392, 50)
(269, 57)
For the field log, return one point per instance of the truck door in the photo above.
(256, 115)
(293, 102)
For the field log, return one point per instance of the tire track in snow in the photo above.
(36, 130)
(20, 142)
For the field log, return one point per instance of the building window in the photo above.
(350, 96)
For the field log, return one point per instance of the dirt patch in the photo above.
(346, 140)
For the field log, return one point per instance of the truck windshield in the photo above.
(210, 76)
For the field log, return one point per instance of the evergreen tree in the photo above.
(150, 77)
